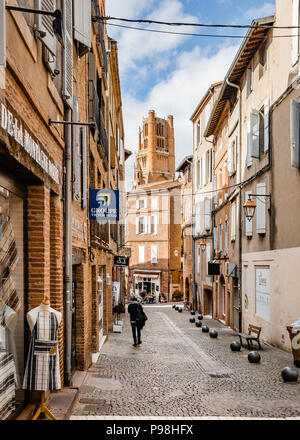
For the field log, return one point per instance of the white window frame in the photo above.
(154, 256)
(141, 254)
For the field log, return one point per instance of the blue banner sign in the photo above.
(104, 204)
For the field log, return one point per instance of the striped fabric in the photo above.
(7, 385)
(8, 261)
(42, 368)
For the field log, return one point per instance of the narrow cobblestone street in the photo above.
(179, 371)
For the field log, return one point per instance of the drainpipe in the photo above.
(240, 204)
(68, 249)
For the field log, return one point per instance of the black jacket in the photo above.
(135, 310)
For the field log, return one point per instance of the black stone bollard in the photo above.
(235, 346)
(213, 334)
(254, 357)
(289, 374)
(198, 324)
(205, 329)
(192, 319)
(200, 317)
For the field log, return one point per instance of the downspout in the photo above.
(240, 205)
(193, 240)
(68, 249)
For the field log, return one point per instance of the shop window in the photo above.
(11, 303)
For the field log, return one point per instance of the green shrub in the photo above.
(177, 295)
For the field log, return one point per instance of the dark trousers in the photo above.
(136, 332)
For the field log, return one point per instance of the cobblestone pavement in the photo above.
(179, 371)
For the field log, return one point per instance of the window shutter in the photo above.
(204, 169)
(232, 221)
(148, 220)
(207, 214)
(198, 258)
(153, 254)
(266, 126)
(226, 235)
(154, 203)
(68, 53)
(248, 224)
(207, 256)
(249, 144)
(295, 32)
(2, 35)
(84, 164)
(229, 159)
(137, 204)
(294, 133)
(137, 222)
(141, 254)
(197, 218)
(76, 158)
(155, 224)
(215, 238)
(254, 120)
(221, 237)
(44, 24)
(82, 22)
(261, 203)
(145, 203)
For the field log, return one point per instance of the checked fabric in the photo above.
(42, 368)
(7, 385)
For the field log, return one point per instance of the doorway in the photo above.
(73, 344)
(235, 305)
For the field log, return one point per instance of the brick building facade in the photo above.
(153, 213)
(41, 80)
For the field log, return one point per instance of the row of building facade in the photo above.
(61, 134)
(246, 143)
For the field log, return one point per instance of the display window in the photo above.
(11, 302)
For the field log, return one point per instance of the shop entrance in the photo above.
(73, 346)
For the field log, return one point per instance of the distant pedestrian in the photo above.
(137, 320)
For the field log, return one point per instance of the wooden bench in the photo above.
(187, 305)
(252, 329)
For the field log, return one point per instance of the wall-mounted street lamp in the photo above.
(203, 245)
(250, 205)
(57, 19)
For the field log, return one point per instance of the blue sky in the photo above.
(170, 73)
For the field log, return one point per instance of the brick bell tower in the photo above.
(155, 161)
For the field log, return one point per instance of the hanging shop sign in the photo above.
(213, 269)
(15, 127)
(121, 261)
(104, 204)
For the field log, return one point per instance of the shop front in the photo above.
(147, 283)
(30, 250)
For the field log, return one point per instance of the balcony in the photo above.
(99, 234)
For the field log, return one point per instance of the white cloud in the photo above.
(178, 95)
(135, 45)
(264, 11)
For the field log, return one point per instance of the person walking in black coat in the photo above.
(137, 320)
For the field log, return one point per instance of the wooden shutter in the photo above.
(294, 133)
(83, 168)
(232, 222)
(149, 228)
(141, 254)
(204, 169)
(295, 32)
(220, 237)
(155, 224)
(215, 238)
(68, 53)
(254, 121)
(76, 155)
(207, 214)
(261, 203)
(137, 224)
(45, 24)
(266, 125)
(249, 144)
(248, 224)
(82, 22)
(153, 253)
(2, 34)
(207, 256)
(137, 204)
(226, 235)
(197, 231)
(229, 159)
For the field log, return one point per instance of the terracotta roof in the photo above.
(185, 163)
(247, 49)
(168, 184)
(213, 86)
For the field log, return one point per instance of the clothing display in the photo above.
(8, 261)
(7, 385)
(7, 316)
(42, 368)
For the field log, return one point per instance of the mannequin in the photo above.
(42, 370)
(44, 306)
